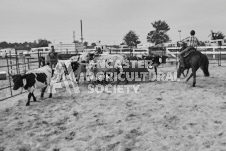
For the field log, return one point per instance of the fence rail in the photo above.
(15, 64)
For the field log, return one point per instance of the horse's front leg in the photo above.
(187, 72)
(179, 71)
(189, 77)
(194, 78)
(183, 74)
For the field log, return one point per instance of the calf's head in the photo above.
(18, 81)
(86, 57)
(74, 66)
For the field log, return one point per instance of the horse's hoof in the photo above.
(50, 96)
(27, 104)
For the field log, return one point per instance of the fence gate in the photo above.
(15, 64)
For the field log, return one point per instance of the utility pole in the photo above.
(179, 34)
(81, 32)
(73, 36)
(76, 51)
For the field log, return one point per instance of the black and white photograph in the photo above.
(112, 75)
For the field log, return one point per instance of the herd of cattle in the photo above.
(85, 63)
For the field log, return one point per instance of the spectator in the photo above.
(52, 59)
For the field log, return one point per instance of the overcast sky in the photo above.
(107, 20)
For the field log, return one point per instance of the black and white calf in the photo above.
(35, 79)
(69, 68)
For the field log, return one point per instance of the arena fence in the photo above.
(14, 64)
(214, 53)
(19, 64)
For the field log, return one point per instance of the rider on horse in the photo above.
(191, 42)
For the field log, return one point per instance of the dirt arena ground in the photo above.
(161, 116)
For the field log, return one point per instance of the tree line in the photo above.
(35, 44)
(25, 45)
(159, 35)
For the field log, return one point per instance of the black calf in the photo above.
(30, 79)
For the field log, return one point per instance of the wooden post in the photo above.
(213, 53)
(219, 55)
(39, 65)
(176, 57)
(16, 58)
(24, 64)
(9, 73)
(28, 64)
(10, 61)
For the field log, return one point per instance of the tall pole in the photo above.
(74, 42)
(81, 31)
(74, 36)
(179, 34)
(219, 55)
(179, 31)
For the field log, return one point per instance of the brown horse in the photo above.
(194, 60)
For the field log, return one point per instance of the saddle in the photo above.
(192, 49)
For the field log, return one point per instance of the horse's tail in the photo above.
(205, 65)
